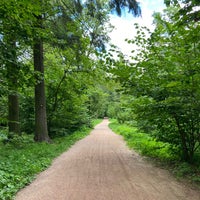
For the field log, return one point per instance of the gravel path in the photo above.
(100, 167)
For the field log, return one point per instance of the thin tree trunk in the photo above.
(13, 99)
(41, 131)
(13, 114)
(185, 150)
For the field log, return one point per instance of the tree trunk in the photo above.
(13, 114)
(41, 131)
(185, 150)
(13, 99)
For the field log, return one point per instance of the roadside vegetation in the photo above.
(23, 159)
(161, 153)
(160, 81)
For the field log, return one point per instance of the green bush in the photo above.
(3, 134)
(144, 143)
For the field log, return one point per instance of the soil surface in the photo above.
(101, 167)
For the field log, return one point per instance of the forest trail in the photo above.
(101, 167)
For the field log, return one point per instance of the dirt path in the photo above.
(100, 167)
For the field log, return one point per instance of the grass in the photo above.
(158, 151)
(23, 159)
(143, 143)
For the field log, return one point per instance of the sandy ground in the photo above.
(100, 167)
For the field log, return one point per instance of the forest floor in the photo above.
(101, 167)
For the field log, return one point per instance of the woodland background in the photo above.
(58, 72)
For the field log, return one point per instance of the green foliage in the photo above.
(3, 134)
(27, 114)
(144, 143)
(98, 101)
(22, 159)
(69, 90)
(71, 33)
(3, 111)
(186, 170)
(124, 113)
(162, 81)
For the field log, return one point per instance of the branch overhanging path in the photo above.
(101, 167)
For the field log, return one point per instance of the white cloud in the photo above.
(124, 26)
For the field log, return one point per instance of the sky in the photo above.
(124, 26)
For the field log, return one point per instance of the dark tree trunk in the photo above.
(13, 99)
(13, 114)
(187, 155)
(41, 131)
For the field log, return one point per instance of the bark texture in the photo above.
(13, 114)
(13, 98)
(41, 131)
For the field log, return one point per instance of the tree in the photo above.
(16, 30)
(13, 99)
(41, 130)
(164, 78)
(41, 133)
(188, 10)
(11, 33)
(29, 24)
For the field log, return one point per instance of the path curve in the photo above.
(100, 167)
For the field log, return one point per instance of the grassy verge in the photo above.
(160, 152)
(23, 159)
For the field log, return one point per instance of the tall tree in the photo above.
(41, 130)
(9, 36)
(41, 133)
(165, 79)
(13, 97)
(35, 31)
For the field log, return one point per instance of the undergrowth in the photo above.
(22, 159)
(162, 153)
